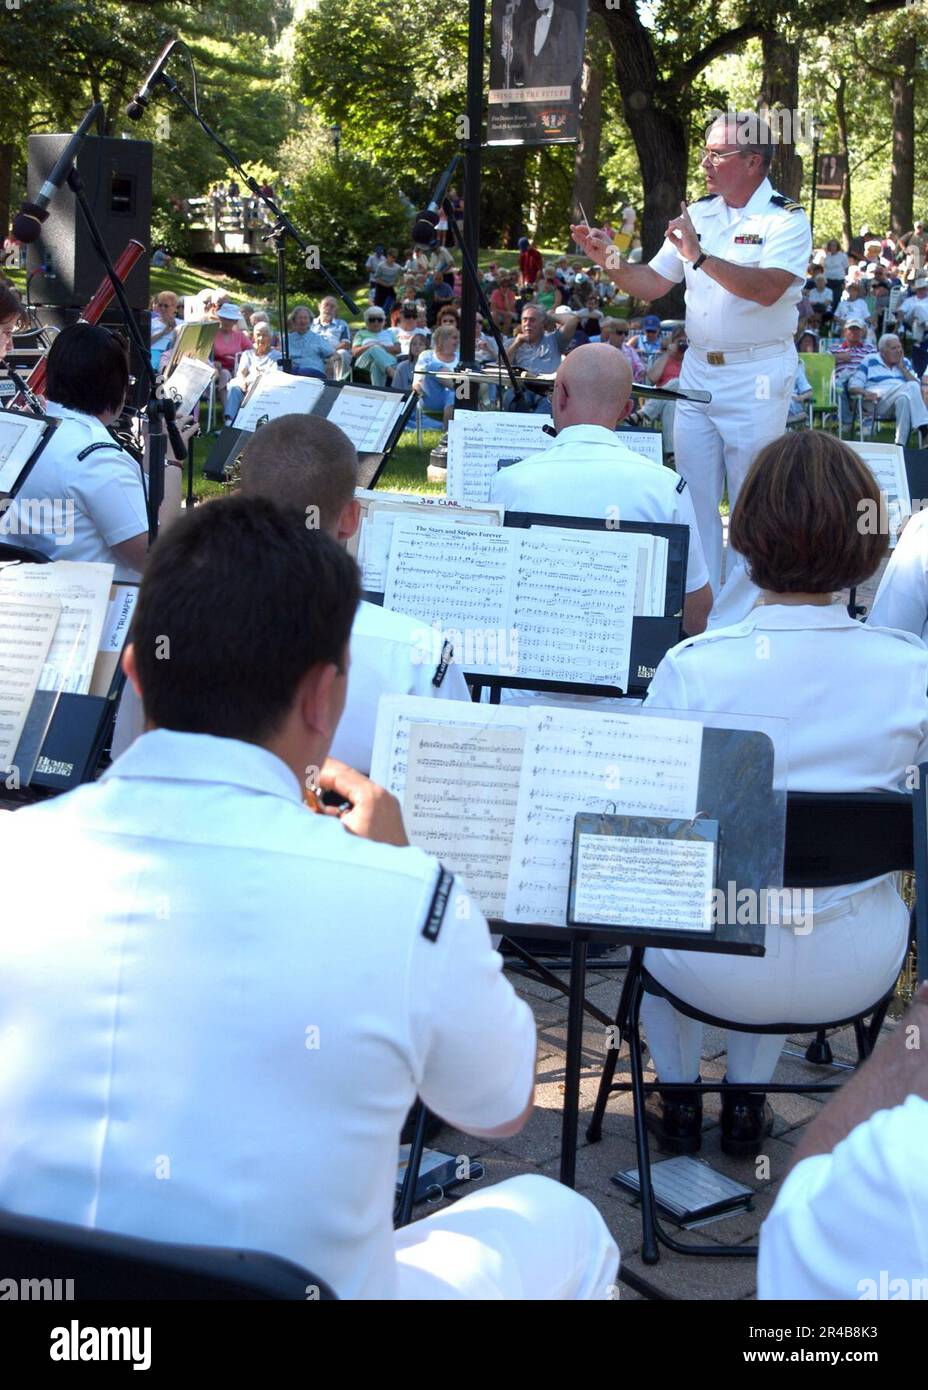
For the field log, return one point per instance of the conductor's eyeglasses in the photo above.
(716, 157)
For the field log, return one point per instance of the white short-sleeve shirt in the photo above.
(853, 1224)
(589, 472)
(770, 232)
(902, 598)
(218, 1009)
(104, 501)
(391, 654)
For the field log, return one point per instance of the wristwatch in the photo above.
(703, 255)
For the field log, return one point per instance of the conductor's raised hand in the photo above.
(598, 245)
(372, 812)
(682, 234)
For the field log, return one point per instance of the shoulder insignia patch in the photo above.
(436, 913)
(788, 204)
(681, 485)
(101, 444)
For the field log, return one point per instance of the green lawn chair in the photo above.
(820, 369)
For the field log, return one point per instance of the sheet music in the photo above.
(366, 416)
(20, 436)
(187, 382)
(578, 761)
(648, 443)
(461, 792)
(477, 440)
(572, 585)
(396, 715)
(887, 464)
(377, 530)
(456, 576)
(26, 632)
(644, 881)
(83, 591)
(278, 393)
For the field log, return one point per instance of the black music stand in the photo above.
(231, 441)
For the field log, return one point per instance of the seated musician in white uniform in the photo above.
(218, 1008)
(305, 461)
(591, 471)
(855, 700)
(103, 516)
(902, 598)
(851, 1217)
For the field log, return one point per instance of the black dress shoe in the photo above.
(675, 1120)
(747, 1120)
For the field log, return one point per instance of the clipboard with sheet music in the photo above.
(22, 439)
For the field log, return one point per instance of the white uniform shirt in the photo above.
(589, 472)
(902, 598)
(102, 493)
(828, 675)
(218, 1009)
(763, 233)
(391, 654)
(853, 1223)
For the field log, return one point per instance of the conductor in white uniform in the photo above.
(743, 251)
(306, 462)
(591, 471)
(219, 1007)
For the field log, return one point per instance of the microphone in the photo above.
(423, 229)
(27, 224)
(136, 108)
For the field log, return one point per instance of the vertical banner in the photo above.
(536, 63)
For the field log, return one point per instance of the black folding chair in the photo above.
(106, 1266)
(8, 551)
(830, 839)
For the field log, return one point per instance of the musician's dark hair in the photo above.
(285, 602)
(88, 369)
(10, 303)
(804, 519)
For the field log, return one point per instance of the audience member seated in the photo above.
(404, 375)
(443, 356)
(591, 471)
(101, 513)
(503, 305)
(912, 314)
(217, 979)
(854, 306)
(615, 332)
(165, 328)
(822, 301)
(851, 1217)
(253, 363)
(849, 353)
(438, 292)
(886, 381)
(375, 347)
(537, 352)
(309, 351)
(796, 522)
(407, 324)
(386, 274)
(337, 334)
(798, 412)
(648, 343)
(229, 342)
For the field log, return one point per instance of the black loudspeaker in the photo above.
(117, 183)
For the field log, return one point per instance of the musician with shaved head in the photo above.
(591, 471)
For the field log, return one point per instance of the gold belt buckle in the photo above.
(715, 359)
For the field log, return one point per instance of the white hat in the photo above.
(563, 311)
(229, 311)
(921, 283)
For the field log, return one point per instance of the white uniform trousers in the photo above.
(528, 1238)
(903, 400)
(719, 441)
(849, 960)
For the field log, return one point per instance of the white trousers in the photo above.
(528, 1238)
(717, 443)
(847, 961)
(904, 401)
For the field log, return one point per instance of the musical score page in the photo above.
(367, 416)
(26, 632)
(461, 793)
(187, 382)
(644, 881)
(377, 531)
(396, 714)
(456, 576)
(887, 464)
(478, 439)
(278, 393)
(82, 588)
(577, 761)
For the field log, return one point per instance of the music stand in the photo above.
(22, 440)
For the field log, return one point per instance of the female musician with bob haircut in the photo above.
(855, 699)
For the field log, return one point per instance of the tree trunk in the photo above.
(903, 173)
(659, 134)
(841, 119)
(780, 94)
(586, 163)
(6, 179)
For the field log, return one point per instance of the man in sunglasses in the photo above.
(742, 250)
